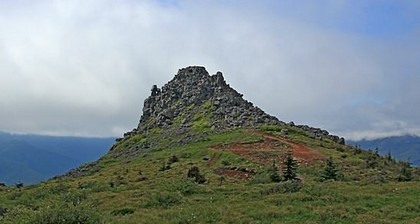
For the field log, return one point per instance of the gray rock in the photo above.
(191, 92)
(193, 86)
(168, 113)
(341, 141)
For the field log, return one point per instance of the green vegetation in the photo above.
(330, 171)
(274, 173)
(201, 123)
(194, 172)
(128, 186)
(290, 167)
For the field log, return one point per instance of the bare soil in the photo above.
(272, 147)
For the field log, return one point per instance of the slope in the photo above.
(207, 162)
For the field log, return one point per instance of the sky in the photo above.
(85, 67)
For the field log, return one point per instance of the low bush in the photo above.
(163, 200)
(188, 187)
(75, 197)
(284, 187)
(66, 215)
(164, 167)
(173, 159)
(122, 212)
(274, 128)
(194, 172)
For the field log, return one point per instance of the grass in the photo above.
(137, 191)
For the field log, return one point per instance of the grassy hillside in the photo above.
(143, 179)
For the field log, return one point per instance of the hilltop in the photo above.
(203, 154)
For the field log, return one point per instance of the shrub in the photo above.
(173, 159)
(273, 128)
(17, 214)
(188, 187)
(119, 180)
(66, 215)
(284, 187)
(194, 172)
(75, 197)
(225, 162)
(59, 188)
(163, 200)
(261, 178)
(371, 161)
(122, 211)
(405, 174)
(164, 167)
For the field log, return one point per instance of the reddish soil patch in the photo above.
(273, 147)
(300, 152)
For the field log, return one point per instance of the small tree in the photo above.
(330, 171)
(290, 166)
(274, 175)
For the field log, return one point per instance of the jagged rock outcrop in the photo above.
(194, 97)
(194, 91)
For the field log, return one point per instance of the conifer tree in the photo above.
(290, 166)
(330, 171)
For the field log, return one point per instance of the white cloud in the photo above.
(85, 67)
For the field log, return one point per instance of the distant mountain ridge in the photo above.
(405, 148)
(33, 158)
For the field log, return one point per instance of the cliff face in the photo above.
(194, 92)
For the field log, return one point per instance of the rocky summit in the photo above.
(194, 91)
(196, 100)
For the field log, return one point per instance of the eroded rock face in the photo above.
(194, 94)
(194, 91)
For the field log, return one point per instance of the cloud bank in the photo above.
(85, 67)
